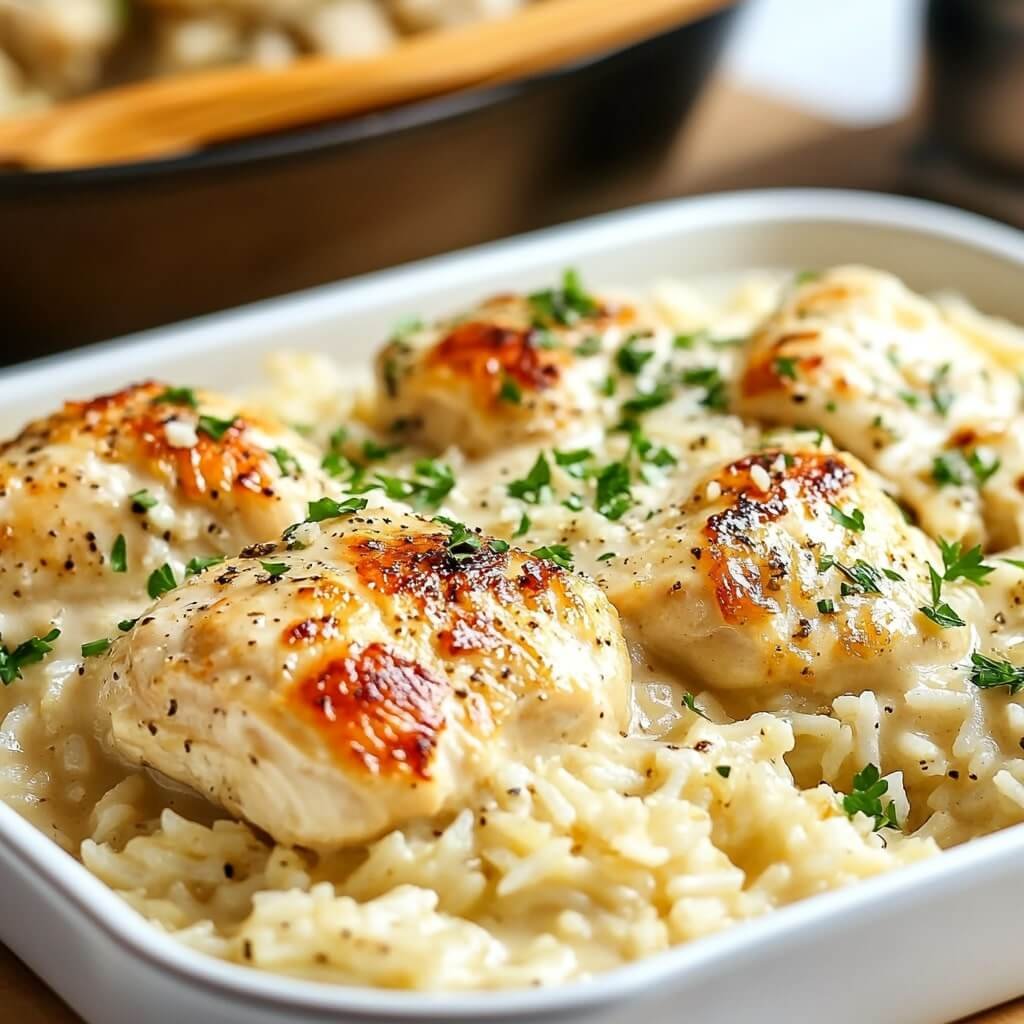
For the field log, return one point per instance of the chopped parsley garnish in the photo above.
(524, 526)
(724, 770)
(909, 399)
(852, 520)
(1017, 562)
(691, 702)
(201, 564)
(613, 495)
(343, 468)
(866, 798)
(328, 508)
(119, 555)
(941, 396)
(574, 502)
(177, 396)
(426, 490)
(286, 462)
(589, 346)
(573, 462)
(541, 337)
(941, 613)
(405, 326)
(968, 565)
(709, 378)
(142, 500)
(957, 564)
(214, 427)
(806, 276)
(373, 451)
(827, 606)
(630, 359)
(988, 673)
(275, 570)
(648, 451)
(607, 387)
(127, 625)
(606, 557)
(560, 554)
(28, 652)
(161, 581)
(687, 341)
(535, 487)
(510, 391)
(958, 469)
(565, 305)
(644, 401)
(95, 647)
(785, 366)
(337, 439)
(982, 470)
(863, 578)
(463, 542)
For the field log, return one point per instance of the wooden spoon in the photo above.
(171, 116)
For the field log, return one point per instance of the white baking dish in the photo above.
(929, 943)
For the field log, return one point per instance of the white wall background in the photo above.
(853, 61)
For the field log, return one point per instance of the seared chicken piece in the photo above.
(880, 369)
(331, 692)
(788, 569)
(97, 496)
(515, 369)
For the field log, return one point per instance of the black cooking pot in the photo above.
(90, 254)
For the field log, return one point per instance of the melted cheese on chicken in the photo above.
(515, 369)
(786, 569)
(890, 378)
(331, 692)
(97, 496)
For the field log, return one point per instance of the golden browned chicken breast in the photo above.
(882, 371)
(790, 569)
(515, 369)
(333, 690)
(102, 495)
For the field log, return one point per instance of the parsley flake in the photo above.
(724, 770)
(866, 798)
(161, 581)
(177, 396)
(614, 498)
(214, 427)
(853, 520)
(95, 647)
(510, 391)
(560, 554)
(142, 500)
(28, 652)
(785, 366)
(566, 305)
(427, 488)
(630, 359)
(201, 564)
(535, 487)
(286, 462)
(987, 673)
(119, 555)
(691, 702)
(275, 570)
(328, 508)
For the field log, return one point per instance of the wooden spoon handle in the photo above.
(175, 115)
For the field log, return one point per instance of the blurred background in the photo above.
(161, 159)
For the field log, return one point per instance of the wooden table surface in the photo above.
(733, 140)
